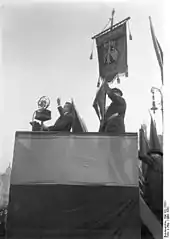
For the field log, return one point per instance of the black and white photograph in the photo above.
(82, 112)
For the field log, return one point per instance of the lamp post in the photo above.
(154, 108)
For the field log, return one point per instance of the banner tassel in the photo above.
(126, 73)
(91, 55)
(118, 79)
(98, 82)
(130, 35)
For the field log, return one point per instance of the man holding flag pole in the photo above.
(113, 120)
(112, 56)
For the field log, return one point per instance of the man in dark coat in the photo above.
(114, 117)
(65, 121)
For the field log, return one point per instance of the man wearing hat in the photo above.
(114, 117)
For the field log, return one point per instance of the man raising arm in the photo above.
(65, 121)
(114, 117)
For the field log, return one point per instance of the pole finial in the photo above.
(113, 13)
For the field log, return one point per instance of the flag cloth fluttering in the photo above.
(112, 52)
(99, 102)
(154, 142)
(78, 123)
(112, 57)
(143, 142)
(158, 50)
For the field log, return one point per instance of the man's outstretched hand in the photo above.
(106, 87)
(58, 101)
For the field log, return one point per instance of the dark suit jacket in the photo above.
(60, 110)
(115, 125)
(63, 123)
(118, 105)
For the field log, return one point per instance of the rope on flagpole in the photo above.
(91, 55)
(106, 24)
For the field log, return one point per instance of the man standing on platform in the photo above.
(65, 121)
(114, 116)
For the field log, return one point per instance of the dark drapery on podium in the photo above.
(69, 185)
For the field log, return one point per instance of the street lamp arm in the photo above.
(152, 91)
(155, 88)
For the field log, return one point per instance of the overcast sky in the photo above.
(45, 49)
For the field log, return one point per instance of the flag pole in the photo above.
(158, 50)
(113, 12)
